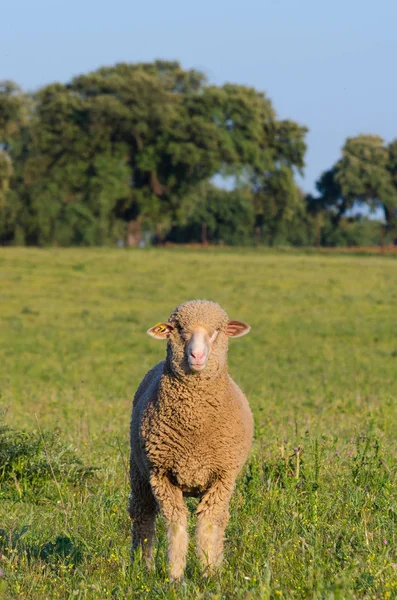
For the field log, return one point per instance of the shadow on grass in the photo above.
(63, 550)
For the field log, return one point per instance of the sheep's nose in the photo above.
(197, 354)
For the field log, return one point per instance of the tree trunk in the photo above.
(318, 232)
(159, 235)
(257, 235)
(204, 239)
(53, 234)
(134, 233)
(387, 226)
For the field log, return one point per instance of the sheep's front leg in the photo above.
(172, 506)
(213, 515)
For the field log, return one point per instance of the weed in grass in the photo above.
(31, 462)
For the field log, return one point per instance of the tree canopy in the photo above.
(129, 143)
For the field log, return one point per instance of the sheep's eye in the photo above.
(184, 335)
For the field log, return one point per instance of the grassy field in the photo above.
(315, 511)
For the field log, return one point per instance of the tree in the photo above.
(277, 197)
(5, 176)
(327, 208)
(258, 149)
(56, 165)
(13, 112)
(75, 172)
(132, 142)
(180, 132)
(365, 174)
(391, 209)
(144, 106)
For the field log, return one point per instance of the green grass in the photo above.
(315, 511)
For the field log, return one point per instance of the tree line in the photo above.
(129, 153)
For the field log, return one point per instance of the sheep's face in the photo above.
(198, 334)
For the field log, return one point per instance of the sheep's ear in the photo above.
(160, 331)
(237, 329)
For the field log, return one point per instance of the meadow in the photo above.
(314, 514)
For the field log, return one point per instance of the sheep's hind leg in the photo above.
(223, 521)
(172, 506)
(143, 509)
(213, 516)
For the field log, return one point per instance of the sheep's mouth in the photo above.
(197, 366)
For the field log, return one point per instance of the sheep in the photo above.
(191, 432)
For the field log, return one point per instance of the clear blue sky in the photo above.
(329, 65)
